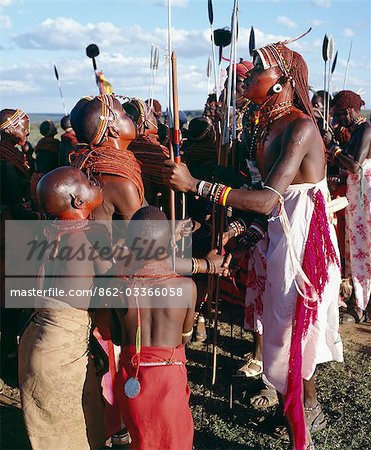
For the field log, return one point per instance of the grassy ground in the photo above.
(344, 391)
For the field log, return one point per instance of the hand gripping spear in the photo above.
(60, 89)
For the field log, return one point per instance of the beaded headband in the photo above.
(13, 120)
(107, 115)
(271, 55)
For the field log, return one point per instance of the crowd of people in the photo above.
(284, 210)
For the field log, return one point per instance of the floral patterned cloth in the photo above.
(358, 234)
(255, 286)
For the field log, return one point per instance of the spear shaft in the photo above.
(60, 89)
(347, 67)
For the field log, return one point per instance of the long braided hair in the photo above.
(294, 70)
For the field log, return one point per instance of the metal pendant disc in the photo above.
(132, 387)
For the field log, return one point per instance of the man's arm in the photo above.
(189, 319)
(359, 154)
(294, 148)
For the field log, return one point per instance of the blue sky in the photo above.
(38, 33)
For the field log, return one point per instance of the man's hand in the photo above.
(219, 263)
(178, 177)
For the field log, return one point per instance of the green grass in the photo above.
(343, 389)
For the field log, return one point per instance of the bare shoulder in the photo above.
(302, 127)
(121, 184)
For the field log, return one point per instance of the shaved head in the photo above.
(66, 190)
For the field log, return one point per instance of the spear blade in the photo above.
(210, 11)
(157, 56)
(252, 41)
(56, 72)
(324, 48)
(208, 71)
(334, 62)
(330, 48)
(151, 58)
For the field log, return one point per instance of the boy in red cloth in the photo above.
(152, 384)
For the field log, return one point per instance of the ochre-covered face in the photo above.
(259, 81)
(341, 116)
(125, 126)
(20, 132)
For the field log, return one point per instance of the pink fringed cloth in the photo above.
(151, 154)
(319, 254)
(107, 159)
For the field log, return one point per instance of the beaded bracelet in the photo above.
(251, 237)
(225, 196)
(238, 226)
(214, 192)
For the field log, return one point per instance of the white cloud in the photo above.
(5, 22)
(5, 3)
(317, 22)
(321, 3)
(66, 33)
(18, 87)
(348, 32)
(286, 21)
(180, 3)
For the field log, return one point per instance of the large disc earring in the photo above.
(277, 88)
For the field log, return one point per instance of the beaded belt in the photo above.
(161, 363)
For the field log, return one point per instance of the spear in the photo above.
(211, 20)
(330, 54)
(60, 89)
(151, 60)
(92, 51)
(252, 41)
(347, 68)
(325, 58)
(155, 68)
(208, 74)
(168, 62)
(224, 159)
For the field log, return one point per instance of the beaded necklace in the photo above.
(262, 124)
(357, 122)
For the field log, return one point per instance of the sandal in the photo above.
(10, 396)
(265, 398)
(315, 418)
(120, 438)
(250, 372)
(201, 335)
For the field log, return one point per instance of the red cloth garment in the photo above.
(159, 417)
(47, 144)
(69, 136)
